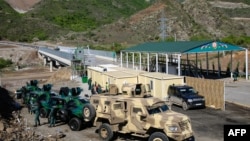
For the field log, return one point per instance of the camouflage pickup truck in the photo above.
(137, 113)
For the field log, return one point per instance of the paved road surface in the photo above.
(238, 92)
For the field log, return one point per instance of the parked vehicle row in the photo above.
(70, 107)
(133, 112)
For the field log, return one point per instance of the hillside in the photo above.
(124, 22)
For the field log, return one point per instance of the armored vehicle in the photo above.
(185, 96)
(24, 92)
(136, 113)
(70, 108)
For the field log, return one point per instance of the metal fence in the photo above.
(111, 55)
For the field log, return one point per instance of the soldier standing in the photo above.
(36, 110)
(52, 116)
(99, 89)
(90, 83)
(107, 86)
(31, 103)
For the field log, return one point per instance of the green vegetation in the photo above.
(200, 37)
(4, 63)
(116, 47)
(243, 41)
(7, 17)
(58, 17)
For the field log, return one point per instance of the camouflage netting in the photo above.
(63, 74)
(13, 126)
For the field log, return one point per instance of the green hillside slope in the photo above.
(48, 19)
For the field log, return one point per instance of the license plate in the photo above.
(198, 104)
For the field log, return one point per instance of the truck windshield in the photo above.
(157, 108)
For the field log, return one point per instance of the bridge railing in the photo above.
(61, 54)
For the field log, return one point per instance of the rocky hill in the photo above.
(172, 19)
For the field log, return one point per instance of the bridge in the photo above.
(66, 56)
(59, 57)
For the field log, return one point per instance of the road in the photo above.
(238, 92)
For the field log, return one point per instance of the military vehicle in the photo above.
(40, 95)
(185, 96)
(137, 113)
(24, 92)
(71, 108)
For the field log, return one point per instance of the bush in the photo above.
(4, 63)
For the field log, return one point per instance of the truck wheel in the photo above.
(105, 132)
(43, 113)
(158, 136)
(75, 124)
(88, 112)
(63, 114)
(184, 106)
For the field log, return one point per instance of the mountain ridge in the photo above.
(185, 20)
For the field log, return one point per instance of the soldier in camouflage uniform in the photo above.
(52, 116)
(36, 110)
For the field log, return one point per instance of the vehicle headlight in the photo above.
(173, 128)
(190, 100)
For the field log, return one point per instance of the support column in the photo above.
(127, 58)
(121, 58)
(156, 62)
(246, 64)
(166, 63)
(51, 65)
(196, 63)
(231, 66)
(44, 61)
(179, 64)
(140, 60)
(148, 62)
(133, 60)
(207, 62)
(218, 64)
(188, 65)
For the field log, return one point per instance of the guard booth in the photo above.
(81, 60)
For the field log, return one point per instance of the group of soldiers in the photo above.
(96, 88)
(35, 107)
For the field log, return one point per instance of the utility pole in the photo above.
(163, 27)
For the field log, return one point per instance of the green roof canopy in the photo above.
(183, 47)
